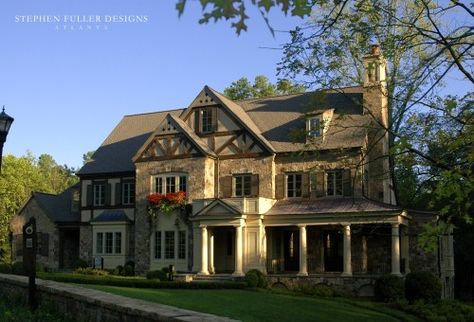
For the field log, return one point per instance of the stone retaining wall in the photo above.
(91, 305)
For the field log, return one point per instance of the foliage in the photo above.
(20, 177)
(5, 268)
(14, 310)
(80, 263)
(464, 262)
(242, 88)
(422, 286)
(165, 203)
(320, 290)
(91, 271)
(255, 278)
(389, 288)
(235, 10)
(157, 275)
(17, 268)
(444, 311)
(87, 157)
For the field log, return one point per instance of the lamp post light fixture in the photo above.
(5, 123)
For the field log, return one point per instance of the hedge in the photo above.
(139, 282)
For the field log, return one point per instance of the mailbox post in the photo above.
(29, 259)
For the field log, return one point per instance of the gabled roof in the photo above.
(116, 152)
(229, 208)
(269, 119)
(59, 207)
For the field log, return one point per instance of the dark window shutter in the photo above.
(90, 197)
(108, 194)
(197, 118)
(44, 245)
(254, 185)
(280, 186)
(305, 185)
(118, 193)
(214, 118)
(226, 186)
(346, 183)
(320, 184)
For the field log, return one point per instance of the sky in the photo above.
(68, 88)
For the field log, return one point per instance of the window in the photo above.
(99, 243)
(128, 193)
(207, 121)
(334, 183)
(99, 194)
(182, 244)
(158, 244)
(109, 241)
(118, 243)
(242, 185)
(169, 244)
(170, 183)
(314, 127)
(293, 185)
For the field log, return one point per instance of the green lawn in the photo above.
(261, 306)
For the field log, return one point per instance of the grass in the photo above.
(247, 305)
(13, 310)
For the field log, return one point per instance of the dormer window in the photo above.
(313, 127)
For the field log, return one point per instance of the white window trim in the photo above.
(234, 185)
(104, 242)
(176, 175)
(126, 199)
(101, 191)
(294, 187)
(310, 132)
(334, 182)
(201, 118)
(163, 245)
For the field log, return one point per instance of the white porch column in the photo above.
(347, 259)
(396, 249)
(303, 252)
(238, 252)
(204, 247)
(211, 252)
(263, 248)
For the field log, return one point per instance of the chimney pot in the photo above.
(375, 50)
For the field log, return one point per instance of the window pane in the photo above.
(206, 120)
(158, 244)
(298, 183)
(118, 243)
(159, 185)
(169, 244)
(99, 194)
(109, 240)
(183, 183)
(238, 186)
(99, 243)
(247, 185)
(128, 196)
(314, 127)
(182, 244)
(170, 184)
(330, 183)
(338, 183)
(290, 183)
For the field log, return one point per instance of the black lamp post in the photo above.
(5, 123)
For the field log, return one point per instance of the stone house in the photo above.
(57, 223)
(297, 186)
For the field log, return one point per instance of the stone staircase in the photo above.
(209, 278)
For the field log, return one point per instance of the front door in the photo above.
(332, 251)
(291, 241)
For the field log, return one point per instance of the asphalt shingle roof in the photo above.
(271, 119)
(59, 207)
(111, 215)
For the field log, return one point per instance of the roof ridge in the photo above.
(156, 112)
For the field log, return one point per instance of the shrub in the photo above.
(5, 268)
(441, 311)
(255, 278)
(118, 270)
(128, 270)
(320, 290)
(17, 268)
(157, 275)
(40, 268)
(422, 286)
(91, 271)
(389, 288)
(80, 263)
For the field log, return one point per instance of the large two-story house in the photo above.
(295, 186)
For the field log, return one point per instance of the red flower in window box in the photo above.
(165, 203)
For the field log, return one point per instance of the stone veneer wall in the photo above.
(43, 225)
(85, 243)
(94, 306)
